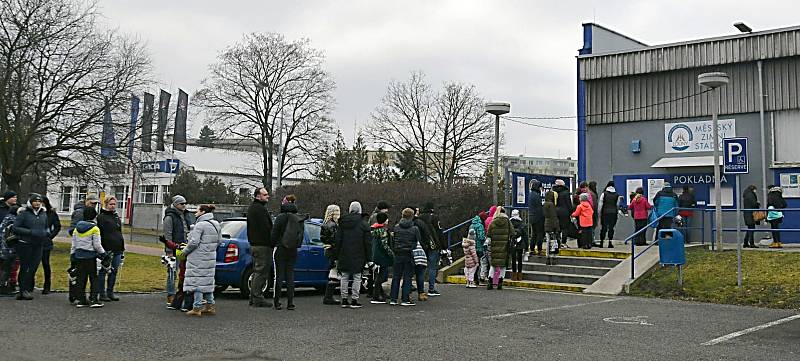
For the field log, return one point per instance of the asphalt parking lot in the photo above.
(462, 324)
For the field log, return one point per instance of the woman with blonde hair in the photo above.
(330, 224)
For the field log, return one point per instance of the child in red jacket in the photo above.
(585, 214)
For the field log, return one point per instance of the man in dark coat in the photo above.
(31, 225)
(353, 249)
(536, 216)
(259, 229)
(9, 200)
(438, 243)
(564, 209)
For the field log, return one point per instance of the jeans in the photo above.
(87, 272)
(345, 277)
(172, 275)
(433, 267)
(200, 296)
(402, 269)
(29, 258)
(112, 277)
(262, 267)
(420, 272)
(46, 269)
(608, 221)
(285, 259)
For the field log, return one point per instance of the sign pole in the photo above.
(737, 162)
(738, 234)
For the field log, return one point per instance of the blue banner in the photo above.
(521, 186)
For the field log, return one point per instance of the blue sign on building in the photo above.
(521, 183)
(735, 156)
(161, 166)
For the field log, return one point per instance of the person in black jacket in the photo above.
(749, 201)
(353, 251)
(9, 200)
(330, 225)
(259, 234)
(287, 237)
(406, 237)
(564, 209)
(439, 242)
(686, 201)
(110, 225)
(31, 226)
(54, 226)
(608, 207)
(536, 217)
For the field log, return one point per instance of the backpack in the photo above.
(293, 234)
(9, 237)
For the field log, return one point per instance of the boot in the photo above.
(423, 296)
(489, 284)
(329, 299)
(609, 244)
(195, 311)
(170, 298)
(500, 284)
(776, 245)
(210, 310)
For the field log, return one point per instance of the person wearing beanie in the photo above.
(470, 257)
(8, 257)
(585, 214)
(176, 225)
(665, 203)
(381, 207)
(518, 246)
(406, 238)
(91, 201)
(382, 256)
(31, 226)
(86, 248)
(438, 243)
(609, 208)
(9, 200)
(353, 251)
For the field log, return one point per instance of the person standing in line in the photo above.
(406, 238)
(259, 234)
(176, 225)
(585, 215)
(775, 202)
(480, 238)
(353, 250)
(31, 225)
(500, 233)
(9, 200)
(53, 227)
(518, 246)
(640, 208)
(201, 260)
(438, 243)
(381, 207)
(609, 209)
(91, 201)
(330, 224)
(551, 226)
(665, 203)
(8, 256)
(287, 235)
(685, 201)
(86, 248)
(750, 201)
(470, 258)
(110, 225)
(595, 203)
(536, 217)
(382, 256)
(564, 208)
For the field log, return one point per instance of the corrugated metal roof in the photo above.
(763, 45)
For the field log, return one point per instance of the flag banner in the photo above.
(134, 117)
(108, 145)
(147, 123)
(163, 108)
(179, 137)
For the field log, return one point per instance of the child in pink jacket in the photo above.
(470, 258)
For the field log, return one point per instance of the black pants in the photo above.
(608, 222)
(586, 237)
(664, 223)
(516, 260)
(774, 224)
(46, 269)
(537, 236)
(284, 271)
(29, 258)
(641, 238)
(87, 271)
(749, 236)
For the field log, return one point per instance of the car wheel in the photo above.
(244, 287)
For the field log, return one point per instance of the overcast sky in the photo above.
(518, 51)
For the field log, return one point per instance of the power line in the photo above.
(537, 125)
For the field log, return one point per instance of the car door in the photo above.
(317, 271)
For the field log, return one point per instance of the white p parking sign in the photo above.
(735, 156)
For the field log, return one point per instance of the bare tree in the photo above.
(405, 119)
(57, 72)
(275, 93)
(463, 141)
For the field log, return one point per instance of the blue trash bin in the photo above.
(670, 247)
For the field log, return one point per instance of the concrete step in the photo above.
(557, 277)
(568, 269)
(555, 286)
(595, 253)
(563, 260)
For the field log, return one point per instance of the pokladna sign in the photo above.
(691, 137)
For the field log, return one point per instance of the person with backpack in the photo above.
(259, 232)
(200, 254)
(480, 237)
(8, 255)
(353, 251)
(775, 202)
(665, 203)
(609, 209)
(287, 237)
(31, 226)
(536, 217)
(110, 226)
(86, 248)
(500, 233)
(330, 224)
(382, 256)
(53, 227)
(519, 245)
(406, 238)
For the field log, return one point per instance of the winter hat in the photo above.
(382, 218)
(667, 185)
(560, 182)
(515, 213)
(35, 197)
(178, 199)
(610, 184)
(9, 194)
(483, 216)
(584, 197)
(535, 184)
(384, 205)
(428, 207)
(355, 207)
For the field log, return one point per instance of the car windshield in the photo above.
(313, 232)
(231, 229)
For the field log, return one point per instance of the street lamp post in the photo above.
(498, 109)
(714, 81)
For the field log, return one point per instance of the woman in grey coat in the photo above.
(201, 258)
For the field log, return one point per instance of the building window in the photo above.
(147, 194)
(82, 191)
(165, 194)
(121, 192)
(786, 126)
(66, 198)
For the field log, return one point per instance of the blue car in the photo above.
(235, 261)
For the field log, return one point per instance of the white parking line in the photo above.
(731, 336)
(550, 309)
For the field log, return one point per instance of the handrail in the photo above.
(450, 230)
(633, 244)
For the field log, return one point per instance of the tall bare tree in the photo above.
(274, 92)
(464, 140)
(58, 69)
(405, 119)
